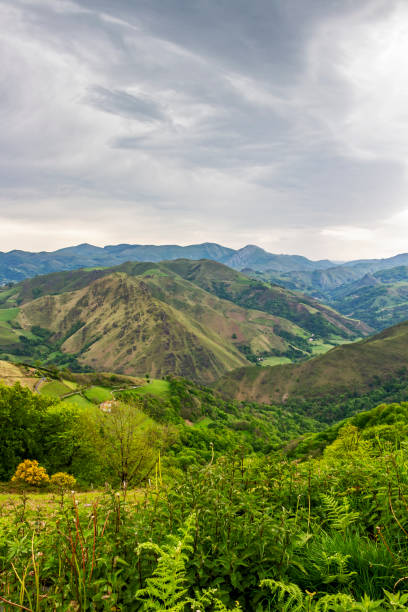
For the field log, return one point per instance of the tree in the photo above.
(21, 417)
(128, 442)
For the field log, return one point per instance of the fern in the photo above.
(339, 561)
(338, 602)
(339, 514)
(289, 595)
(208, 598)
(291, 599)
(165, 589)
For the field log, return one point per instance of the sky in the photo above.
(281, 123)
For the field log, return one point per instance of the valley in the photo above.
(216, 415)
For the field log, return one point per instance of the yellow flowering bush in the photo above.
(30, 473)
(63, 481)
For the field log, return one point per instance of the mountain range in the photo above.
(17, 265)
(198, 319)
(373, 290)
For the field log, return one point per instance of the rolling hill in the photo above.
(196, 319)
(350, 369)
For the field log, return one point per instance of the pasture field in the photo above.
(161, 388)
(98, 394)
(77, 400)
(272, 361)
(8, 314)
(55, 389)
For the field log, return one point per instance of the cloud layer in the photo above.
(279, 124)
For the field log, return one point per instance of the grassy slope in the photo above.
(159, 388)
(346, 369)
(125, 328)
(55, 389)
(249, 293)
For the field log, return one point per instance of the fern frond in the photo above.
(339, 514)
(335, 602)
(289, 595)
(165, 589)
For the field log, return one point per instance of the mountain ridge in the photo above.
(16, 265)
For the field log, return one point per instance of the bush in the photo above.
(63, 481)
(30, 473)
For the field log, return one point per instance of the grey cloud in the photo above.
(188, 109)
(124, 104)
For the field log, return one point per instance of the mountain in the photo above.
(252, 256)
(18, 265)
(317, 283)
(196, 319)
(374, 265)
(231, 285)
(350, 369)
(379, 299)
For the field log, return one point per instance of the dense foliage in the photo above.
(207, 423)
(325, 534)
(329, 409)
(229, 513)
(191, 422)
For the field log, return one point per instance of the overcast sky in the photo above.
(282, 123)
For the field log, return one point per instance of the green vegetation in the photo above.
(281, 488)
(8, 314)
(239, 532)
(272, 361)
(76, 400)
(159, 388)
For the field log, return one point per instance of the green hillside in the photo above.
(249, 293)
(196, 319)
(385, 422)
(349, 370)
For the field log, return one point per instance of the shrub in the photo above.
(30, 473)
(63, 481)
